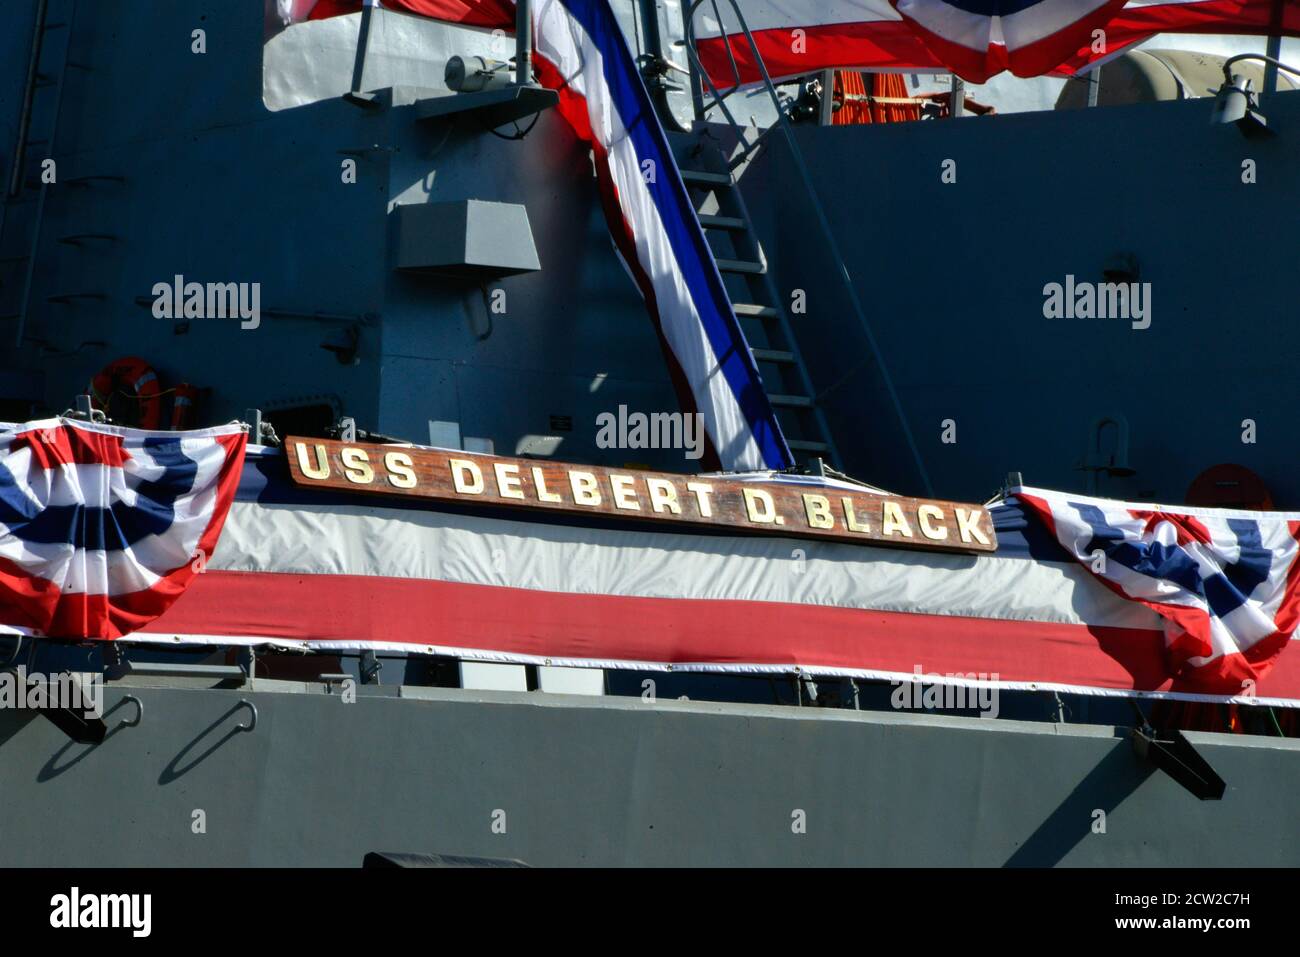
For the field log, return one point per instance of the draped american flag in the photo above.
(978, 38)
(102, 528)
(974, 38)
(1226, 583)
(582, 53)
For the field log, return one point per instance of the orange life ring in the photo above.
(136, 379)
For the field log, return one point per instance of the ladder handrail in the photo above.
(703, 74)
(819, 209)
(29, 94)
(20, 331)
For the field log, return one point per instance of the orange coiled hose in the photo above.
(872, 98)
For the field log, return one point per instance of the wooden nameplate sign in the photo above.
(658, 498)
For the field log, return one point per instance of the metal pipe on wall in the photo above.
(363, 44)
(1274, 48)
(825, 115)
(523, 43)
(29, 93)
(957, 99)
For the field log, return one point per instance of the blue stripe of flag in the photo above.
(1230, 590)
(115, 528)
(690, 249)
(1152, 559)
(1222, 592)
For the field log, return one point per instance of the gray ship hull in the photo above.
(556, 780)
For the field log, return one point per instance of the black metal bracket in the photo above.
(369, 668)
(83, 730)
(77, 726)
(367, 101)
(1174, 754)
(493, 108)
(655, 70)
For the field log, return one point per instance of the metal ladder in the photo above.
(24, 191)
(719, 170)
(758, 304)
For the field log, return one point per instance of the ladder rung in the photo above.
(95, 178)
(733, 223)
(791, 401)
(694, 177)
(747, 310)
(77, 239)
(774, 355)
(741, 266)
(70, 297)
(803, 445)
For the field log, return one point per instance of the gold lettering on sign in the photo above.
(460, 468)
(818, 510)
(542, 494)
(759, 507)
(663, 496)
(509, 485)
(702, 493)
(894, 521)
(851, 519)
(924, 515)
(321, 470)
(401, 470)
(968, 526)
(624, 489)
(586, 490)
(356, 467)
(433, 478)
